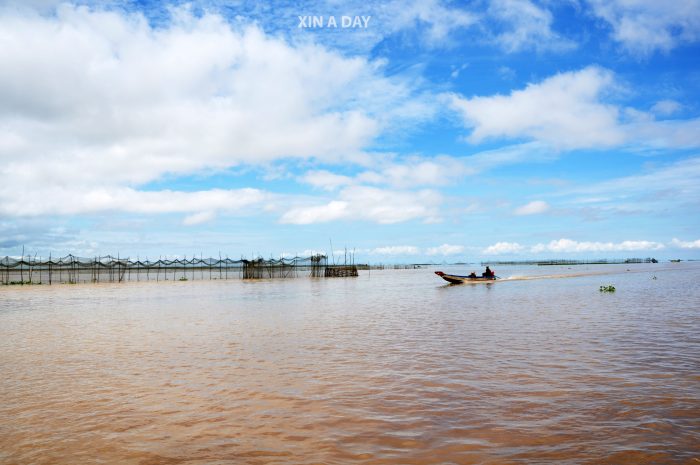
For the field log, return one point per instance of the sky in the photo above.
(404, 131)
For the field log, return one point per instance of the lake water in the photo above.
(393, 367)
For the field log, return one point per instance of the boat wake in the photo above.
(548, 276)
(569, 275)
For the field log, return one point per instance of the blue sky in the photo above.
(442, 131)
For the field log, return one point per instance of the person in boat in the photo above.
(472, 275)
(488, 273)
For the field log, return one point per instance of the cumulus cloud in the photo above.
(408, 172)
(564, 110)
(417, 171)
(71, 201)
(503, 248)
(162, 95)
(445, 249)
(571, 246)
(370, 204)
(129, 103)
(646, 26)
(685, 244)
(533, 208)
(396, 250)
(527, 26)
(567, 111)
(325, 179)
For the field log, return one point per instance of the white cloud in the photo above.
(533, 208)
(646, 26)
(571, 246)
(396, 250)
(331, 211)
(70, 201)
(503, 248)
(564, 111)
(417, 171)
(303, 254)
(199, 218)
(506, 73)
(370, 204)
(164, 95)
(409, 172)
(441, 170)
(658, 187)
(326, 180)
(96, 103)
(685, 244)
(527, 27)
(440, 21)
(665, 133)
(666, 107)
(528, 152)
(445, 249)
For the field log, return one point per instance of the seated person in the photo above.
(472, 275)
(488, 273)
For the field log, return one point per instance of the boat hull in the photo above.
(457, 279)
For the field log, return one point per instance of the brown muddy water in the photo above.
(393, 367)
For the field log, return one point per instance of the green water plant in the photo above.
(608, 288)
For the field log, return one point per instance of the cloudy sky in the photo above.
(428, 130)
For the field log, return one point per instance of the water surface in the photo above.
(391, 367)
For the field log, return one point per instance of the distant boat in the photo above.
(457, 279)
(677, 260)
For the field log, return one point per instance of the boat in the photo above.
(457, 279)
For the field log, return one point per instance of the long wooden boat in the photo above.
(457, 279)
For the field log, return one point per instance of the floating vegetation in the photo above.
(608, 288)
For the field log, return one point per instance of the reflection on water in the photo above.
(391, 367)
